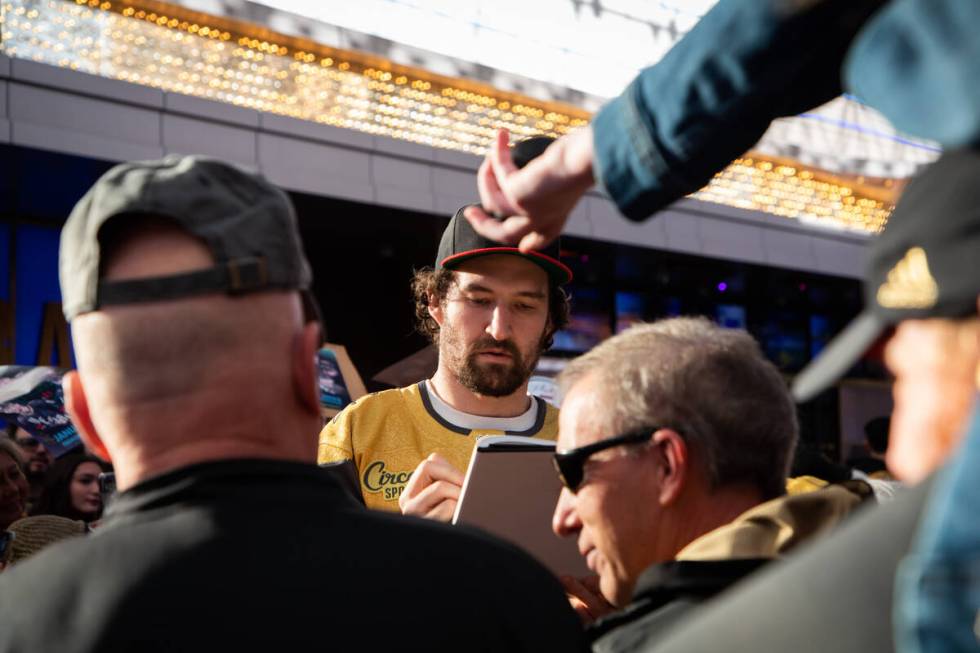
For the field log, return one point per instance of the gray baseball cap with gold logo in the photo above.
(248, 224)
(925, 264)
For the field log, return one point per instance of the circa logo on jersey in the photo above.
(378, 479)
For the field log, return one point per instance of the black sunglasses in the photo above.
(570, 464)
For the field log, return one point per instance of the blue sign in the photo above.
(32, 398)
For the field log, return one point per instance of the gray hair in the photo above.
(712, 385)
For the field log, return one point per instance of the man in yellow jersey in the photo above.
(491, 310)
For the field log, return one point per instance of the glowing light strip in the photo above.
(177, 50)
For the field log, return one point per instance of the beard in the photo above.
(490, 379)
(37, 468)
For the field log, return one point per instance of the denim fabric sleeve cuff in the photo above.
(714, 94)
(628, 163)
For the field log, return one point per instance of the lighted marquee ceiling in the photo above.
(591, 46)
(243, 63)
(595, 46)
(187, 52)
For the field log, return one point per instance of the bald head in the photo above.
(146, 351)
(213, 365)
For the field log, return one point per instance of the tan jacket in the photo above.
(710, 564)
(775, 527)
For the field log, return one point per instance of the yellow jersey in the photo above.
(386, 435)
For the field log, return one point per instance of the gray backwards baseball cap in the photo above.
(247, 223)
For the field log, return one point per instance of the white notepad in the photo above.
(510, 490)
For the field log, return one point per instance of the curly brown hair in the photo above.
(429, 282)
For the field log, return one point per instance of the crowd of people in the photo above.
(44, 500)
(195, 332)
(66, 487)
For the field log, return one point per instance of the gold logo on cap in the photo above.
(909, 284)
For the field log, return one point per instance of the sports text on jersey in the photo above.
(377, 478)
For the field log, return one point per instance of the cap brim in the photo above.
(838, 356)
(557, 271)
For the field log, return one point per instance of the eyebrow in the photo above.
(476, 287)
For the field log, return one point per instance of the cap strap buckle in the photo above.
(246, 274)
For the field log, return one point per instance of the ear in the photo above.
(437, 311)
(305, 346)
(675, 464)
(76, 404)
(549, 334)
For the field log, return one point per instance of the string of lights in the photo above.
(794, 192)
(174, 49)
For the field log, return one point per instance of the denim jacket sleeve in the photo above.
(714, 94)
(918, 62)
(937, 603)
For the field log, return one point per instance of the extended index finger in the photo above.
(491, 198)
(501, 162)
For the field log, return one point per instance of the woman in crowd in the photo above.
(13, 484)
(71, 488)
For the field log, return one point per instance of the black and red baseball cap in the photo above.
(460, 242)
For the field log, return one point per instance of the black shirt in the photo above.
(270, 555)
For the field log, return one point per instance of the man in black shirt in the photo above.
(188, 293)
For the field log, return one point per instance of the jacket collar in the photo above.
(719, 558)
(775, 527)
(204, 481)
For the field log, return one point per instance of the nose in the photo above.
(565, 521)
(500, 323)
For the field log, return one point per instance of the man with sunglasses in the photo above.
(904, 575)
(674, 443)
